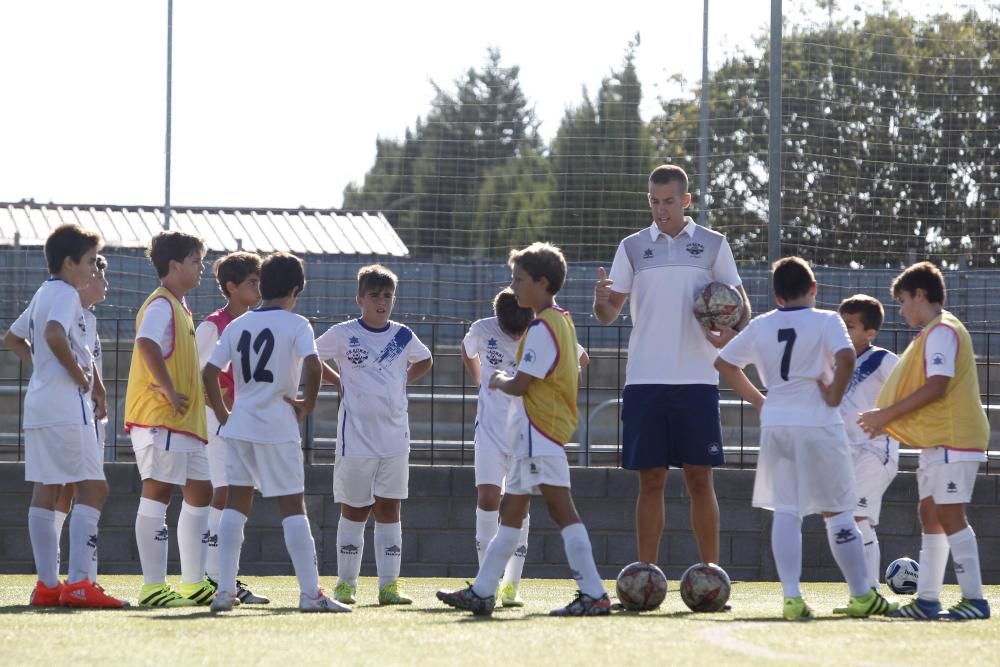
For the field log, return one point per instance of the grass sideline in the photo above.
(429, 633)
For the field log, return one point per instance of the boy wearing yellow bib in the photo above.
(931, 401)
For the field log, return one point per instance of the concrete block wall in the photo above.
(439, 525)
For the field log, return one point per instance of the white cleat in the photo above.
(321, 603)
(224, 601)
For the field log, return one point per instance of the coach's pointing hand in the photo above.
(602, 288)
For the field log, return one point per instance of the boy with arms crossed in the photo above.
(543, 420)
(804, 466)
(60, 440)
(268, 348)
(238, 275)
(377, 358)
(931, 401)
(165, 416)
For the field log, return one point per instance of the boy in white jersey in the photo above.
(238, 275)
(489, 346)
(165, 417)
(804, 465)
(931, 401)
(377, 358)
(545, 417)
(60, 443)
(94, 293)
(269, 348)
(876, 459)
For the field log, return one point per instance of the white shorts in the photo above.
(872, 475)
(948, 483)
(274, 469)
(215, 450)
(357, 480)
(527, 474)
(492, 465)
(62, 454)
(804, 470)
(171, 467)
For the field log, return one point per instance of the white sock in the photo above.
(497, 554)
(230, 544)
(845, 544)
(515, 564)
(212, 551)
(192, 542)
(302, 550)
(82, 542)
(151, 536)
(786, 546)
(59, 518)
(487, 525)
(350, 548)
(44, 544)
(965, 559)
(934, 550)
(873, 554)
(580, 556)
(388, 551)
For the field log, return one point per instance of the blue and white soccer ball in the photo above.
(901, 576)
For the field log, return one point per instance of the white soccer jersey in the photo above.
(373, 420)
(496, 351)
(94, 345)
(53, 397)
(792, 348)
(870, 372)
(661, 276)
(266, 347)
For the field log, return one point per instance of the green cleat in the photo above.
(796, 609)
(870, 604)
(200, 592)
(389, 594)
(344, 593)
(509, 596)
(161, 595)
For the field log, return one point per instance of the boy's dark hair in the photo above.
(669, 173)
(102, 263)
(792, 278)
(541, 260)
(868, 307)
(71, 241)
(377, 277)
(235, 268)
(168, 247)
(513, 319)
(281, 274)
(922, 275)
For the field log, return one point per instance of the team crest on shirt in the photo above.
(529, 356)
(648, 254)
(355, 353)
(694, 248)
(493, 353)
(937, 359)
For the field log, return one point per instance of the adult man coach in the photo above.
(670, 411)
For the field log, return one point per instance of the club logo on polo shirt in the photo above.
(937, 359)
(355, 353)
(952, 487)
(648, 254)
(493, 353)
(694, 248)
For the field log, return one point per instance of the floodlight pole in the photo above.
(774, 146)
(703, 127)
(170, 79)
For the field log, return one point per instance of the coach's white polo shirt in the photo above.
(661, 276)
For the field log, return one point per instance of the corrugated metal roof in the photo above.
(301, 231)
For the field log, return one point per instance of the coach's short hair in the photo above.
(669, 173)
(377, 277)
(235, 268)
(71, 241)
(792, 278)
(541, 260)
(281, 274)
(513, 319)
(868, 307)
(922, 275)
(173, 246)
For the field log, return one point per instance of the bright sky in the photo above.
(278, 104)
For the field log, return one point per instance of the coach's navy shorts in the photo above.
(669, 425)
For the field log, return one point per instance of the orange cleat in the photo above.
(43, 596)
(88, 595)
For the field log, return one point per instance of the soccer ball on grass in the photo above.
(705, 587)
(641, 586)
(901, 576)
